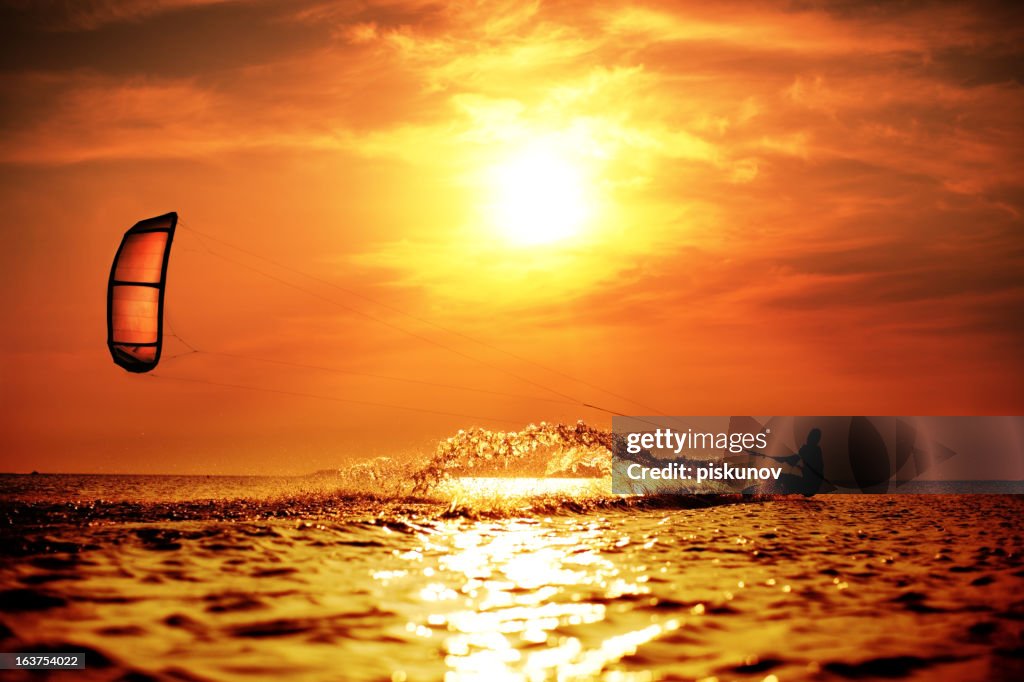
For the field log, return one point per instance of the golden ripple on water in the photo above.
(396, 590)
(508, 595)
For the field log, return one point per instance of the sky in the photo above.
(404, 218)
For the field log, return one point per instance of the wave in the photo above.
(542, 469)
(538, 451)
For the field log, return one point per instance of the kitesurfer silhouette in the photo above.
(810, 461)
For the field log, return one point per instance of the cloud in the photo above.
(77, 15)
(807, 182)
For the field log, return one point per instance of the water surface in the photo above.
(247, 578)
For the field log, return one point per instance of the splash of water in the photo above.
(539, 450)
(543, 449)
(542, 468)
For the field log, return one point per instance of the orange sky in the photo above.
(798, 208)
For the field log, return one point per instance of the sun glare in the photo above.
(540, 197)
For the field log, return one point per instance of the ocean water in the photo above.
(441, 575)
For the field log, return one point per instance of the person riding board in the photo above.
(809, 460)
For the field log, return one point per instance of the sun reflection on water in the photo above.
(506, 597)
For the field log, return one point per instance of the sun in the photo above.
(540, 197)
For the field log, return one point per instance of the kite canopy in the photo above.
(135, 293)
